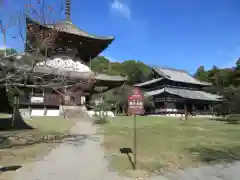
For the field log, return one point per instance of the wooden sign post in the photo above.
(135, 107)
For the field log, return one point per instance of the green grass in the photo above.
(168, 144)
(22, 146)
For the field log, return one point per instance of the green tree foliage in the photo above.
(201, 74)
(9, 51)
(238, 64)
(136, 71)
(226, 82)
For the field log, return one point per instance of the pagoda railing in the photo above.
(173, 86)
(52, 99)
(168, 99)
(48, 100)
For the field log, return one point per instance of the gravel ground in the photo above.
(82, 158)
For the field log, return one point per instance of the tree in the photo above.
(136, 72)
(201, 74)
(226, 82)
(238, 64)
(11, 51)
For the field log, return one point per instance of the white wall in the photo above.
(37, 112)
(67, 64)
(53, 112)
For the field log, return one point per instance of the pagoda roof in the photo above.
(89, 46)
(104, 77)
(179, 76)
(70, 28)
(186, 93)
(106, 82)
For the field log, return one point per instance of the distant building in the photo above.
(175, 92)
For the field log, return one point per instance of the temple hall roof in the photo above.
(178, 76)
(186, 93)
(148, 82)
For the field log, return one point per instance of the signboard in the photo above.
(136, 103)
(37, 100)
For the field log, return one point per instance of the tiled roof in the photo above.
(105, 77)
(69, 27)
(148, 82)
(178, 75)
(186, 93)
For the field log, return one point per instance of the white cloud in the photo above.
(121, 7)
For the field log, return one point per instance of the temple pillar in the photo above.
(194, 109)
(185, 111)
(210, 108)
(45, 110)
(204, 107)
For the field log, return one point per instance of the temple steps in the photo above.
(75, 112)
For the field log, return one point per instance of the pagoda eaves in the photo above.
(74, 36)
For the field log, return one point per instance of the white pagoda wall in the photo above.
(66, 64)
(53, 112)
(37, 112)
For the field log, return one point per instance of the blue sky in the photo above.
(182, 34)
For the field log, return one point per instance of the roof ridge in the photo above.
(172, 69)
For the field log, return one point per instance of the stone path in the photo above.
(82, 158)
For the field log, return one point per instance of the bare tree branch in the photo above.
(16, 72)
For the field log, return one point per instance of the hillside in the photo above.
(136, 71)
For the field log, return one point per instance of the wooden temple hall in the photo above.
(61, 75)
(175, 92)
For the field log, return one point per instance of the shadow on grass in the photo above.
(9, 168)
(28, 140)
(228, 120)
(100, 122)
(6, 124)
(222, 154)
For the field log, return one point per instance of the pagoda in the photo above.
(58, 56)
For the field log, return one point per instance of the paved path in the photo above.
(82, 158)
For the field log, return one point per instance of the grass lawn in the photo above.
(168, 144)
(22, 146)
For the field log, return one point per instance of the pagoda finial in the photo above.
(68, 10)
